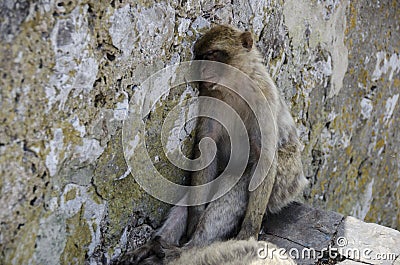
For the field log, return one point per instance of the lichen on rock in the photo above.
(71, 69)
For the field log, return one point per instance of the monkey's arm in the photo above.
(277, 192)
(264, 167)
(257, 205)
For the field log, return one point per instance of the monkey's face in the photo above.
(221, 44)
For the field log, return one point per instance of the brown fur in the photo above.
(238, 210)
(233, 252)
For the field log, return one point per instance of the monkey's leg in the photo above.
(199, 178)
(174, 226)
(222, 217)
(257, 206)
(211, 129)
(290, 180)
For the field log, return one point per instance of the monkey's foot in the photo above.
(155, 252)
(152, 260)
(150, 253)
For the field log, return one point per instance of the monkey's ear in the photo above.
(247, 40)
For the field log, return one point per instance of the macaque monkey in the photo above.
(239, 213)
(231, 252)
(234, 252)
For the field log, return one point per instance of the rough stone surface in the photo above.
(70, 69)
(303, 219)
(358, 235)
(299, 228)
(350, 262)
(312, 236)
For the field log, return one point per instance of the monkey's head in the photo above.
(223, 44)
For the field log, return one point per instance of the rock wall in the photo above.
(70, 68)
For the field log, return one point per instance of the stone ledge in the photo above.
(302, 229)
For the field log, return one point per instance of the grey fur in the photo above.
(233, 252)
(239, 209)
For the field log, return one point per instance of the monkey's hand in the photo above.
(246, 234)
(155, 252)
(248, 230)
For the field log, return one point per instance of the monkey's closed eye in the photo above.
(212, 52)
(211, 55)
(215, 55)
(206, 56)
